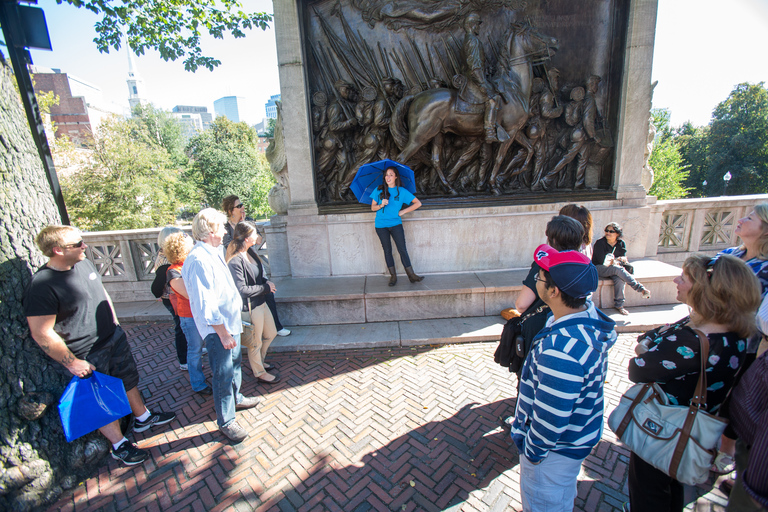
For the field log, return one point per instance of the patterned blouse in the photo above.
(758, 266)
(673, 362)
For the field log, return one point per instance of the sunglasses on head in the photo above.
(76, 245)
(239, 205)
(610, 231)
(711, 267)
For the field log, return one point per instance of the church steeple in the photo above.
(136, 92)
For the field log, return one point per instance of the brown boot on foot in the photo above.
(412, 275)
(392, 276)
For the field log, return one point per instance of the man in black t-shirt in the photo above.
(71, 318)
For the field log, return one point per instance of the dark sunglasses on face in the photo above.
(610, 231)
(239, 205)
(76, 245)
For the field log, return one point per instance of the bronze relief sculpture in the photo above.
(466, 93)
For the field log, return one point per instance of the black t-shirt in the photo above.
(530, 280)
(77, 298)
(603, 248)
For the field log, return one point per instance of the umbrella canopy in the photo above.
(370, 176)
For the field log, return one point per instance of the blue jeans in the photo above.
(549, 486)
(227, 376)
(194, 353)
(398, 235)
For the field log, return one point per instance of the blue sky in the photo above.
(703, 49)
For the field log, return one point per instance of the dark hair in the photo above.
(243, 230)
(385, 189)
(616, 227)
(228, 204)
(581, 214)
(568, 301)
(564, 233)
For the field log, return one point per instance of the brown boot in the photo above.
(392, 276)
(412, 275)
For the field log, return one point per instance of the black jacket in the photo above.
(252, 286)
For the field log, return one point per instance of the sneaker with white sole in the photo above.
(155, 419)
(184, 367)
(723, 464)
(129, 454)
(283, 332)
(234, 432)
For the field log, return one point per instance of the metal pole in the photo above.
(14, 39)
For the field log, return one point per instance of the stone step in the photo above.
(406, 333)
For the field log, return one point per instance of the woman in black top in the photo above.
(723, 294)
(609, 255)
(248, 275)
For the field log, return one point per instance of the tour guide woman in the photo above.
(387, 200)
(723, 295)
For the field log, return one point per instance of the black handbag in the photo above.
(513, 349)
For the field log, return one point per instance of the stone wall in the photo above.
(36, 462)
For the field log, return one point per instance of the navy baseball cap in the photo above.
(572, 272)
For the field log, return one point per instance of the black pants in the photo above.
(181, 340)
(650, 490)
(398, 235)
(273, 309)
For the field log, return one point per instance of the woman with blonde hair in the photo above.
(723, 295)
(162, 290)
(248, 274)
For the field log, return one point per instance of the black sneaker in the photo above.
(156, 418)
(129, 454)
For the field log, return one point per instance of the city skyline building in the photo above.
(194, 118)
(230, 106)
(271, 107)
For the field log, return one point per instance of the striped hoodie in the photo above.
(560, 405)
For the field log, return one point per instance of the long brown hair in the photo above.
(385, 188)
(243, 230)
(724, 290)
(581, 214)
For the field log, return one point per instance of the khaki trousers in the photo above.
(258, 336)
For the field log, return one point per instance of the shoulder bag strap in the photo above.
(698, 401)
(628, 416)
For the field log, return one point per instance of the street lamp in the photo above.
(704, 188)
(726, 178)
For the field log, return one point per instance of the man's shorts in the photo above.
(113, 357)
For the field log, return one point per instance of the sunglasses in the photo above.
(610, 231)
(711, 267)
(239, 205)
(76, 245)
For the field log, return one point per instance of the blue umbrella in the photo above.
(370, 176)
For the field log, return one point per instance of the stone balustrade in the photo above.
(691, 226)
(126, 259)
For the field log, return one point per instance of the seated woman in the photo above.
(176, 248)
(608, 255)
(723, 294)
(248, 274)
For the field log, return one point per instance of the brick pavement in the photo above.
(358, 430)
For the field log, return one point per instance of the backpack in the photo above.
(517, 335)
(158, 285)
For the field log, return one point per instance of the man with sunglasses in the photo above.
(71, 318)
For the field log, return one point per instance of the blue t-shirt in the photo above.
(390, 215)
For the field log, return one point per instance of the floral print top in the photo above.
(673, 362)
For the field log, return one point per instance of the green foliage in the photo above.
(173, 28)
(162, 129)
(270, 131)
(129, 182)
(669, 173)
(694, 144)
(225, 161)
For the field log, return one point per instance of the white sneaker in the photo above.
(283, 332)
(184, 367)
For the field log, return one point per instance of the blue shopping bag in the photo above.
(90, 403)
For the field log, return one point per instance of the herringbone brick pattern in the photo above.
(374, 429)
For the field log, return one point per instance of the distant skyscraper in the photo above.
(185, 112)
(270, 106)
(231, 106)
(136, 93)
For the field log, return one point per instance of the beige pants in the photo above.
(258, 336)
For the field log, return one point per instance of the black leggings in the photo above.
(397, 233)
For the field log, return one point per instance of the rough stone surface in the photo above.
(34, 455)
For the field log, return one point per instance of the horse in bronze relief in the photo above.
(432, 113)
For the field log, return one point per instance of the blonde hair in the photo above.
(206, 222)
(176, 248)
(164, 233)
(52, 236)
(724, 290)
(761, 210)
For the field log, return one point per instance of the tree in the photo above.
(669, 173)
(129, 182)
(163, 129)
(225, 161)
(270, 131)
(738, 141)
(172, 28)
(693, 143)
